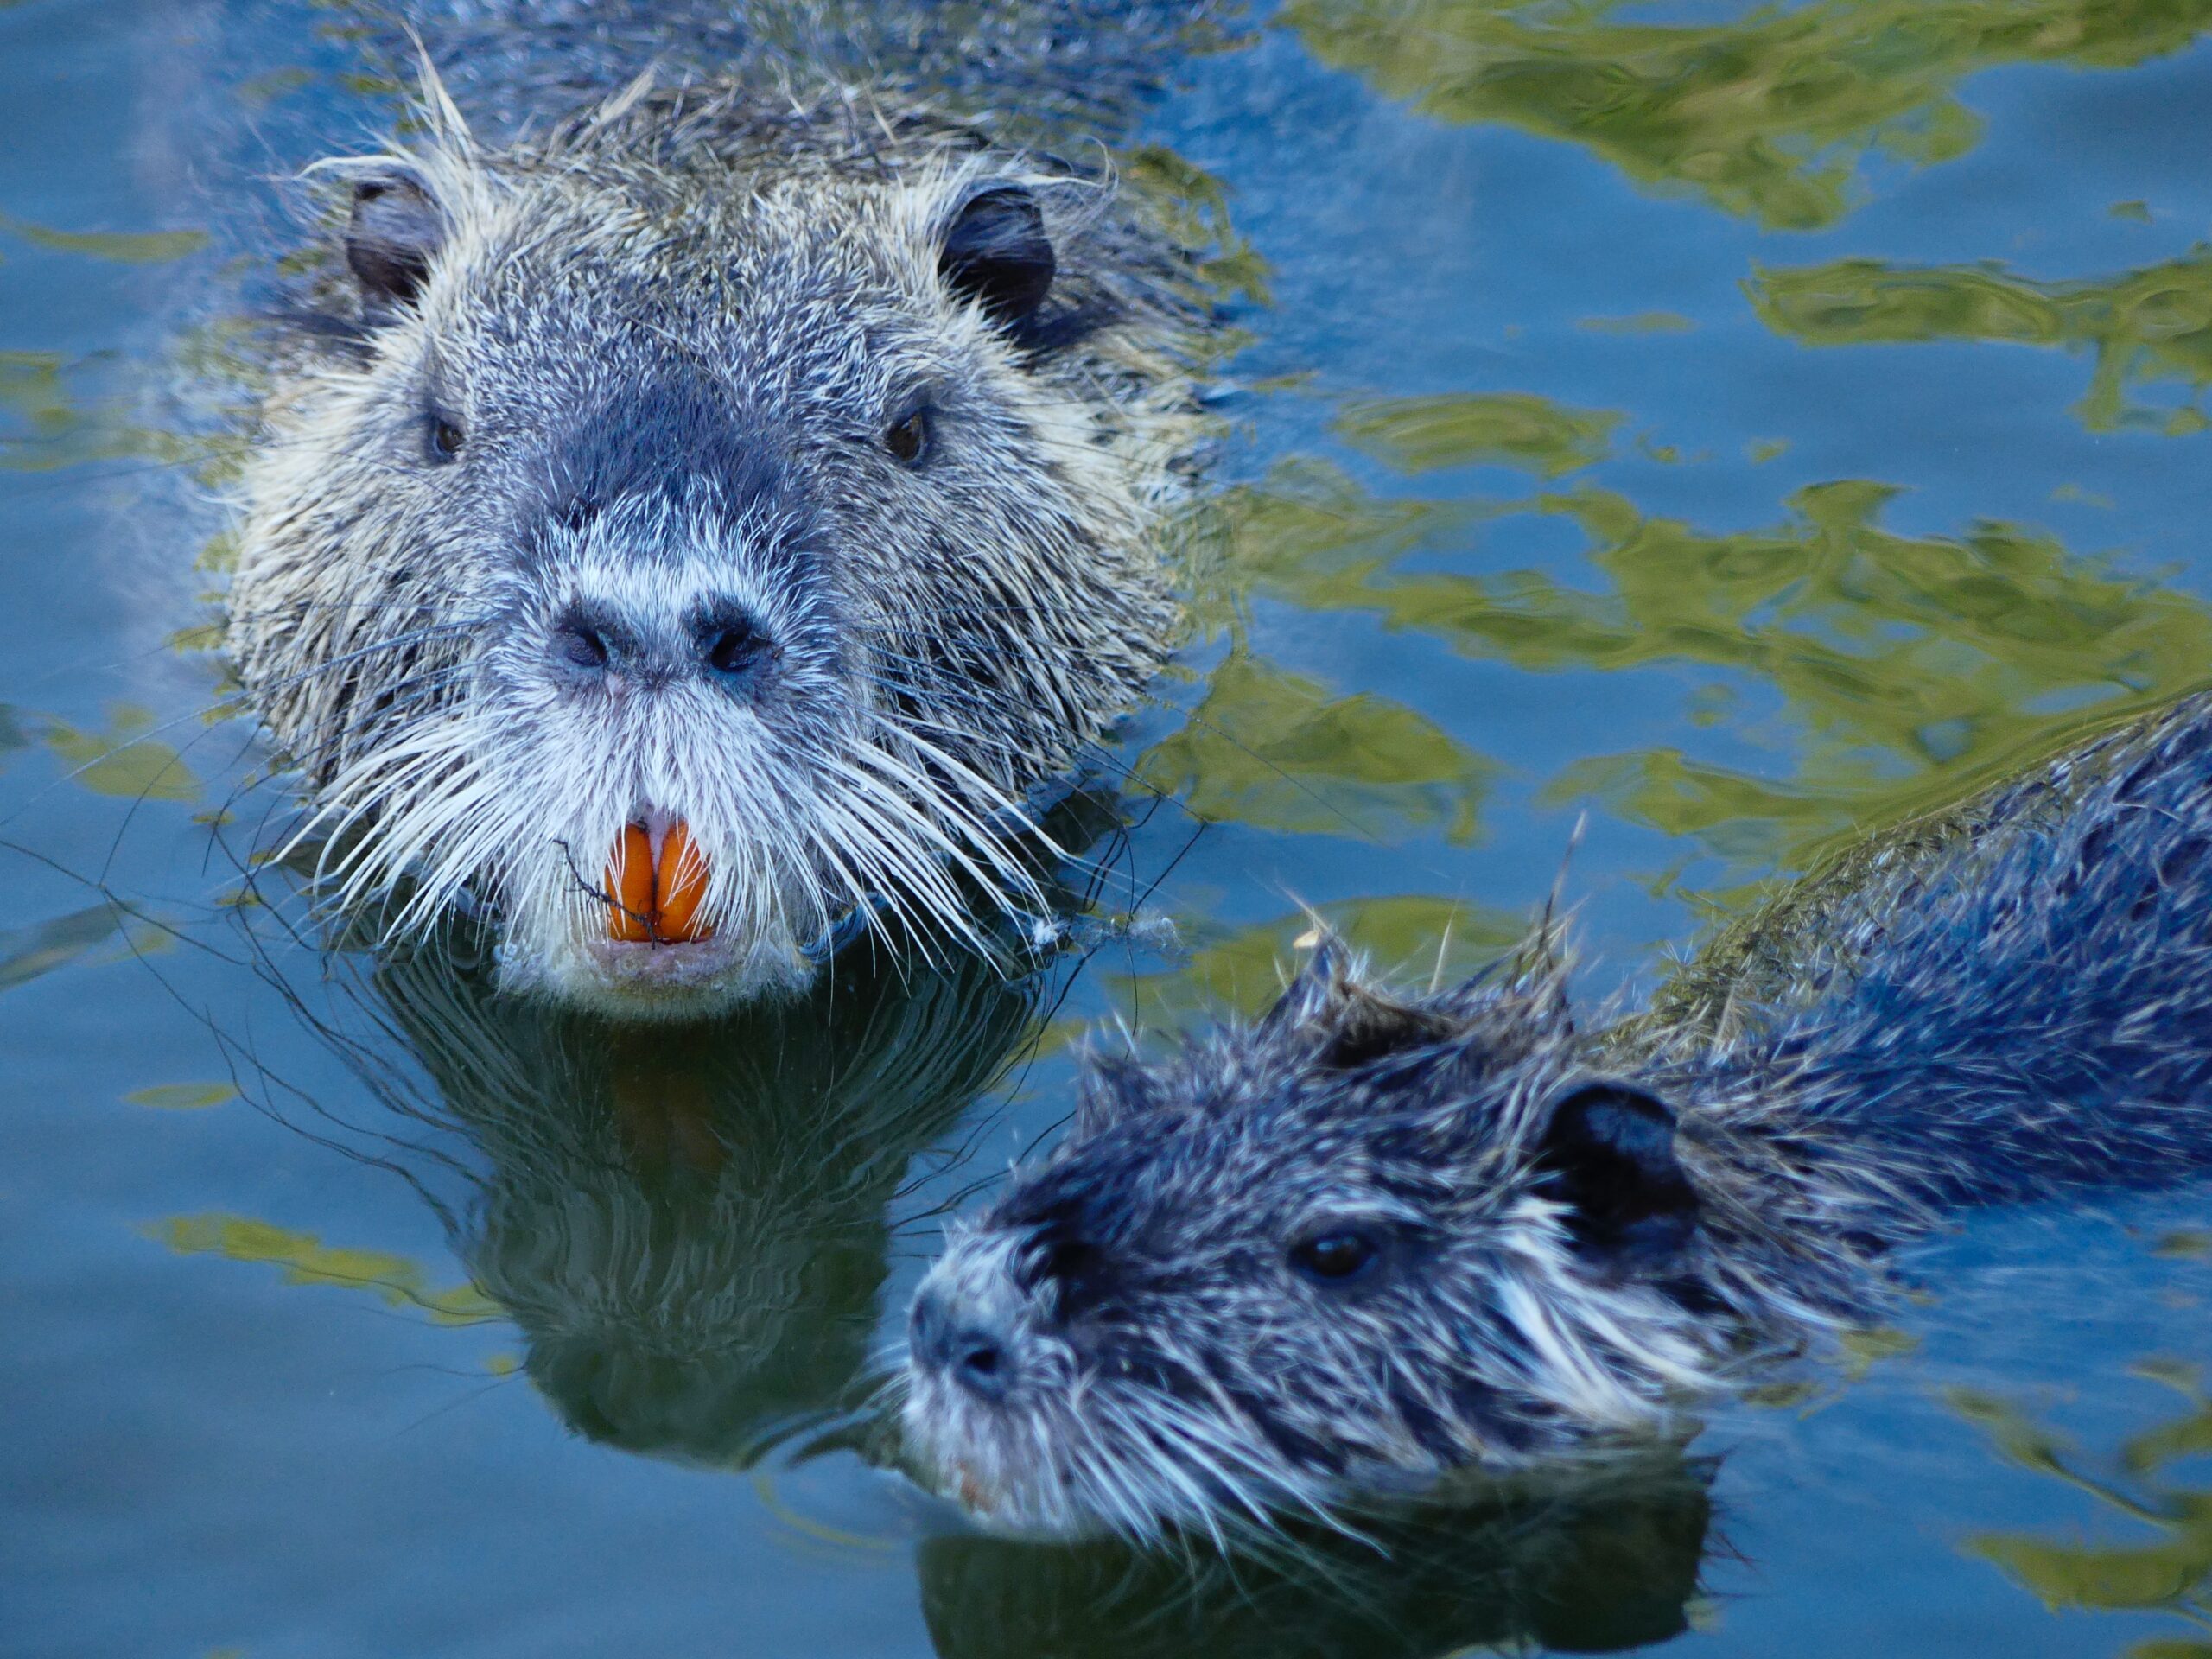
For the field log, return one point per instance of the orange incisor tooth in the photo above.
(630, 881)
(679, 886)
(656, 904)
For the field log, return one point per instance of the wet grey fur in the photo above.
(1049, 71)
(788, 455)
(1558, 1239)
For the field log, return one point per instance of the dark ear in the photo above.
(1607, 1152)
(1316, 994)
(1114, 1087)
(996, 254)
(393, 233)
(1341, 1024)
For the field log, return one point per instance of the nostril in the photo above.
(581, 646)
(981, 1366)
(736, 649)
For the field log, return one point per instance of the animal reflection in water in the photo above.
(1605, 1563)
(689, 1223)
(689, 1228)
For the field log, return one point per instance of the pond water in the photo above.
(1738, 425)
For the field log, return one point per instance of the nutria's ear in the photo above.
(1338, 1023)
(392, 234)
(997, 254)
(1114, 1087)
(1317, 993)
(1606, 1151)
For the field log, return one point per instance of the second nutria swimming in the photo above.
(700, 527)
(1371, 1239)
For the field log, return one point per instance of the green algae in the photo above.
(1775, 115)
(2140, 328)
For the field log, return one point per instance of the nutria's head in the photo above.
(684, 541)
(1360, 1244)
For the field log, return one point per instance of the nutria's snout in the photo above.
(722, 641)
(966, 1345)
(654, 711)
(990, 1369)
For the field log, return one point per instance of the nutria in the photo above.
(1373, 1239)
(698, 531)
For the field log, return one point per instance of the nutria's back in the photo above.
(2007, 996)
(1369, 1240)
(696, 533)
(1847, 900)
(1062, 74)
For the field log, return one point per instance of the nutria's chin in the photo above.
(558, 938)
(649, 981)
(1373, 1239)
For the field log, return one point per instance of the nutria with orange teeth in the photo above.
(700, 531)
(1376, 1238)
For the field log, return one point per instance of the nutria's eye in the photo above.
(909, 441)
(1337, 1257)
(1067, 1262)
(444, 438)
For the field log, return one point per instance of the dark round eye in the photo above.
(910, 440)
(445, 437)
(1335, 1257)
(1067, 1261)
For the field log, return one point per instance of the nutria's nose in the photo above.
(720, 639)
(952, 1342)
(732, 644)
(582, 646)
